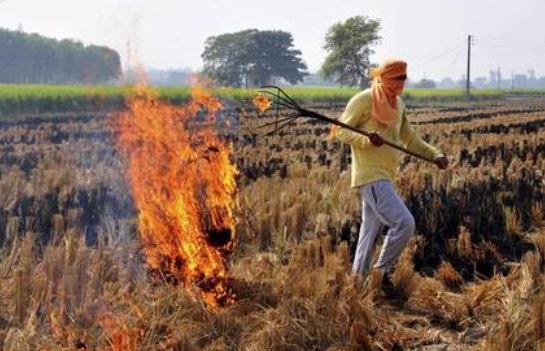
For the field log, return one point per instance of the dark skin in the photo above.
(442, 162)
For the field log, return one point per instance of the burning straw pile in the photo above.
(183, 184)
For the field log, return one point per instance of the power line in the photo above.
(438, 56)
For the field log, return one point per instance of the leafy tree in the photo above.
(252, 57)
(349, 45)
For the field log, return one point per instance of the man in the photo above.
(381, 111)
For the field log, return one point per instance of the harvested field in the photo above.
(73, 274)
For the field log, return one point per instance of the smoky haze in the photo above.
(431, 35)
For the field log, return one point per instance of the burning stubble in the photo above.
(262, 103)
(183, 184)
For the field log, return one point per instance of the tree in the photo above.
(349, 45)
(425, 84)
(447, 83)
(252, 57)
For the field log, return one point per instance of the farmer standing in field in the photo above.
(381, 111)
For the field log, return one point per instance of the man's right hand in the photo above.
(376, 139)
(442, 162)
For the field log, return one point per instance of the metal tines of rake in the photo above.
(281, 99)
(284, 100)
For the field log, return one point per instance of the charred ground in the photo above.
(72, 273)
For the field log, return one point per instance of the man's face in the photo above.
(399, 84)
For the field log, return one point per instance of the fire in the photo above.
(262, 103)
(333, 132)
(183, 184)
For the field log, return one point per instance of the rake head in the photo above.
(278, 98)
(282, 99)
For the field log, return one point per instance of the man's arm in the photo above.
(414, 143)
(357, 110)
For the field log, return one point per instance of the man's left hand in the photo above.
(442, 162)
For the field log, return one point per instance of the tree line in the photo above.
(246, 58)
(32, 58)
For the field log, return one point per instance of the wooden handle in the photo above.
(313, 114)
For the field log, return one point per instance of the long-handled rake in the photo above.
(282, 99)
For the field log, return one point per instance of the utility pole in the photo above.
(499, 78)
(512, 80)
(468, 76)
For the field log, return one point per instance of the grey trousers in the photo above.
(381, 206)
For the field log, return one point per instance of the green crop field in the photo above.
(16, 100)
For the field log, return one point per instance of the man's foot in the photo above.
(387, 287)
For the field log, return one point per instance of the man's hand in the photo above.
(442, 162)
(376, 139)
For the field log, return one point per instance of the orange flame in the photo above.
(262, 103)
(184, 187)
(333, 132)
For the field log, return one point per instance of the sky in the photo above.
(431, 35)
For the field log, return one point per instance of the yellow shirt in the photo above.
(371, 163)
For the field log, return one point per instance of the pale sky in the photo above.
(429, 34)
